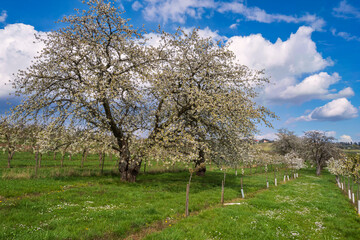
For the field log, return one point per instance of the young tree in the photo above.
(294, 161)
(11, 137)
(337, 167)
(319, 148)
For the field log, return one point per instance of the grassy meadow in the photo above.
(83, 203)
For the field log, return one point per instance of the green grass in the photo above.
(60, 205)
(356, 151)
(80, 203)
(307, 208)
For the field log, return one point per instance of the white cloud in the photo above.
(270, 136)
(179, 10)
(136, 6)
(285, 62)
(315, 87)
(345, 10)
(233, 26)
(330, 134)
(345, 35)
(176, 10)
(3, 16)
(336, 110)
(345, 138)
(206, 33)
(260, 15)
(17, 49)
(154, 38)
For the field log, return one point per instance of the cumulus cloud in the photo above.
(345, 10)
(3, 16)
(315, 87)
(295, 56)
(345, 138)
(176, 10)
(260, 15)
(17, 49)
(336, 110)
(285, 62)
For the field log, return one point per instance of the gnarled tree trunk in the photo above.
(128, 168)
(318, 169)
(200, 167)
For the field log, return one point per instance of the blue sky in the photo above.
(309, 49)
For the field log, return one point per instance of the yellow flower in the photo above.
(86, 229)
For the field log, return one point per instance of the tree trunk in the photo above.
(40, 158)
(200, 167)
(54, 156)
(10, 156)
(102, 164)
(100, 158)
(36, 162)
(318, 170)
(128, 168)
(84, 156)
(62, 159)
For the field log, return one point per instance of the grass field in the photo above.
(75, 203)
(69, 203)
(308, 208)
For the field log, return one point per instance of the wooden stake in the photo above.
(187, 200)
(222, 192)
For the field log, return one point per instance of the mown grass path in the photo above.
(308, 208)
